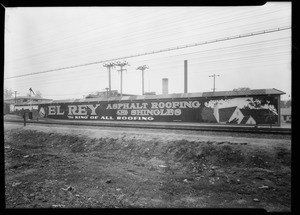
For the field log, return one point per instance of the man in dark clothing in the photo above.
(24, 117)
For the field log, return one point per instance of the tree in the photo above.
(8, 93)
(270, 118)
(285, 103)
(288, 103)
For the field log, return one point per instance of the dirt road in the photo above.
(58, 166)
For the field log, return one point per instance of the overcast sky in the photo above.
(43, 39)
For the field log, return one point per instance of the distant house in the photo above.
(286, 115)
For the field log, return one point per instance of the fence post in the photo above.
(24, 116)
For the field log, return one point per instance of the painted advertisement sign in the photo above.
(242, 110)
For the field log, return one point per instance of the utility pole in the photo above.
(109, 66)
(15, 100)
(142, 68)
(185, 76)
(30, 90)
(121, 65)
(16, 97)
(107, 92)
(214, 76)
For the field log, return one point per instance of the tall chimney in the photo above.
(185, 76)
(165, 86)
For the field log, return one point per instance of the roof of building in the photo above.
(272, 91)
(226, 113)
(127, 97)
(104, 94)
(30, 100)
(27, 97)
(285, 111)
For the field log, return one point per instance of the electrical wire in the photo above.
(165, 50)
(96, 74)
(247, 60)
(85, 48)
(169, 24)
(271, 42)
(103, 42)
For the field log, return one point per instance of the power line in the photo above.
(262, 58)
(165, 50)
(241, 15)
(211, 50)
(264, 43)
(126, 27)
(197, 57)
(176, 73)
(138, 36)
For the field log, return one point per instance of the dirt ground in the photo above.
(52, 166)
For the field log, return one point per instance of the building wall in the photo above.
(166, 110)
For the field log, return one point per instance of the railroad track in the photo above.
(172, 126)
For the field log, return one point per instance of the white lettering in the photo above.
(177, 112)
(51, 110)
(82, 110)
(58, 111)
(175, 104)
(196, 104)
(150, 118)
(108, 106)
(161, 105)
(154, 105)
(168, 105)
(93, 109)
(72, 109)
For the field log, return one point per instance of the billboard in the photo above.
(238, 110)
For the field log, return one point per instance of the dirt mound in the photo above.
(189, 154)
(131, 172)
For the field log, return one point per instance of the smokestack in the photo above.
(165, 86)
(185, 76)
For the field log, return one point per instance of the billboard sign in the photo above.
(241, 110)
